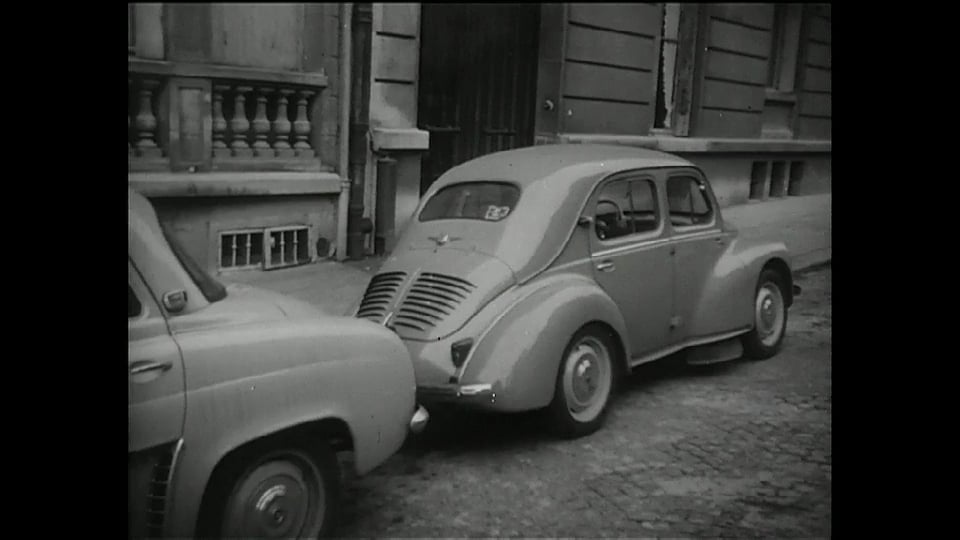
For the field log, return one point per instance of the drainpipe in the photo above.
(343, 167)
(359, 126)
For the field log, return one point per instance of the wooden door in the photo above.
(478, 74)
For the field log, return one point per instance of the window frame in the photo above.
(785, 38)
(707, 195)
(629, 177)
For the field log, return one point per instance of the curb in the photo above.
(812, 267)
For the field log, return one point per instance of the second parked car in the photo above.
(534, 278)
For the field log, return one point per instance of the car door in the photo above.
(155, 389)
(631, 259)
(699, 242)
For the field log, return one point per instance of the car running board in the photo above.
(714, 353)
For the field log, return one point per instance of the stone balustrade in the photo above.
(240, 118)
(142, 112)
(253, 121)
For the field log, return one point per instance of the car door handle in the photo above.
(605, 266)
(146, 366)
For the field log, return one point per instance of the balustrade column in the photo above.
(282, 126)
(301, 126)
(240, 125)
(146, 122)
(219, 122)
(261, 126)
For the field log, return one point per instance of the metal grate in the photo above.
(758, 180)
(157, 496)
(430, 299)
(289, 246)
(796, 178)
(778, 179)
(241, 249)
(276, 247)
(379, 294)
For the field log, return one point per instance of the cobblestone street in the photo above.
(740, 449)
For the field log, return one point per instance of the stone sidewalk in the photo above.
(803, 223)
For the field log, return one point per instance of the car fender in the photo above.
(347, 370)
(520, 352)
(756, 255)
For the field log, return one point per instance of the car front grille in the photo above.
(430, 299)
(379, 295)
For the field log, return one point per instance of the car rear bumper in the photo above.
(466, 394)
(419, 419)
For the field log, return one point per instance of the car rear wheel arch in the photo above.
(332, 432)
(780, 267)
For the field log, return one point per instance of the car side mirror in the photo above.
(585, 221)
(175, 301)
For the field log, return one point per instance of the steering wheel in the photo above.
(620, 216)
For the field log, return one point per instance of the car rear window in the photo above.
(484, 201)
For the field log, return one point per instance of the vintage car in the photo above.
(238, 399)
(534, 278)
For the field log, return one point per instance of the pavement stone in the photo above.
(735, 450)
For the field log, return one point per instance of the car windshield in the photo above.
(484, 201)
(212, 289)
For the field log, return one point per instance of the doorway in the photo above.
(478, 77)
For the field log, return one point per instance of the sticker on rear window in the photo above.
(496, 213)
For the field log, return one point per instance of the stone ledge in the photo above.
(400, 139)
(220, 71)
(700, 144)
(234, 184)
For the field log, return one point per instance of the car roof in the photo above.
(534, 163)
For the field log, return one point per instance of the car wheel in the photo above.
(585, 382)
(286, 493)
(769, 318)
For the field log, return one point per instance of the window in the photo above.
(484, 201)
(688, 202)
(288, 246)
(666, 72)
(241, 249)
(643, 199)
(133, 304)
(626, 207)
(784, 47)
(758, 180)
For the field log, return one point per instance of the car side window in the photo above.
(613, 212)
(134, 308)
(643, 199)
(688, 202)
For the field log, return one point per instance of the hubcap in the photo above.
(280, 499)
(769, 314)
(587, 378)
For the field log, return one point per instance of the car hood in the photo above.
(246, 304)
(426, 293)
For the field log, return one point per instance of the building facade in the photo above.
(353, 110)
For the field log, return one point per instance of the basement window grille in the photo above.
(778, 179)
(796, 178)
(275, 247)
(289, 246)
(241, 249)
(758, 180)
